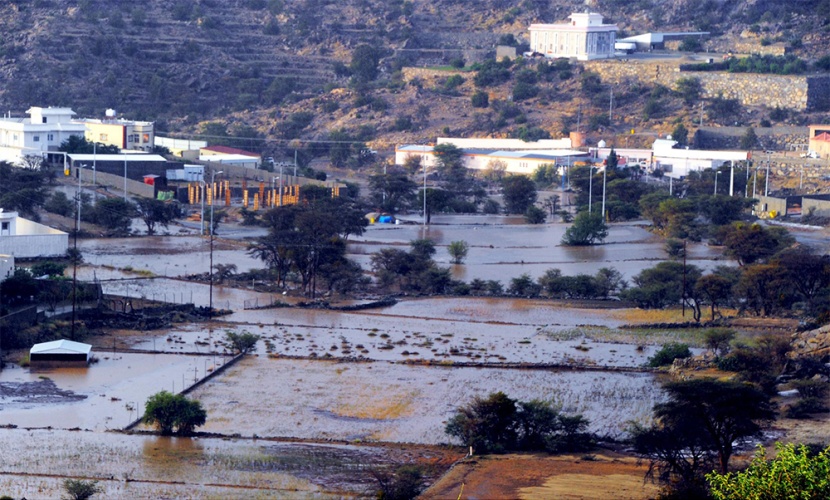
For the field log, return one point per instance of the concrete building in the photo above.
(124, 134)
(585, 38)
(512, 161)
(819, 140)
(60, 353)
(186, 148)
(230, 156)
(22, 238)
(43, 131)
(674, 162)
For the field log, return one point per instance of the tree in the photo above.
(393, 191)
(689, 89)
(486, 424)
(23, 190)
(663, 285)
(458, 251)
(76, 144)
(519, 193)
(364, 64)
(668, 353)
(749, 243)
(749, 140)
(168, 411)
(713, 289)
(115, 214)
(156, 212)
(535, 215)
(242, 343)
(436, 200)
(723, 411)
(587, 229)
(78, 489)
(717, 340)
(405, 483)
(680, 134)
(795, 472)
(480, 99)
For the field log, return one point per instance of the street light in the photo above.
(212, 202)
(717, 173)
(766, 181)
(590, 186)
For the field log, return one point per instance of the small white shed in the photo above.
(60, 352)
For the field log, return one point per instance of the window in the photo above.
(50, 137)
(44, 119)
(36, 138)
(103, 137)
(146, 138)
(4, 227)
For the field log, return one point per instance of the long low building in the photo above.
(25, 239)
(672, 161)
(514, 162)
(60, 353)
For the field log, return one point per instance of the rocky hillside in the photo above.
(279, 69)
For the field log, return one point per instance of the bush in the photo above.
(480, 99)
(168, 411)
(668, 353)
(78, 489)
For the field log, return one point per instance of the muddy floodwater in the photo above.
(400, 403)
(103, 396)
(35, 463)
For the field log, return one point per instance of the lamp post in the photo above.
(425, 194)
(604, 170)
(766, 181)
(203, 194)
(590, 186)
(125, 176)
(717, 173)
(212, 202)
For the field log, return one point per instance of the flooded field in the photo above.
(463, 331)
(34, 464)
(400, 403)
(104, 396)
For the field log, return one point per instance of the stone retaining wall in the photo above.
(812, 343)
(798, 92)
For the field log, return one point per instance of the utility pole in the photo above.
(731, 178)
(212, 202)
(766, 181)
(590, 186)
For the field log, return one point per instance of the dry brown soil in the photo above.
(606, 475)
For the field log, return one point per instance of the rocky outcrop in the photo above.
(812, 342)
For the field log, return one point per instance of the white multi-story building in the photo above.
(42, 132)
(124, 134)
(584, 38)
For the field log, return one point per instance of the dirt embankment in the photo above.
(605, 475)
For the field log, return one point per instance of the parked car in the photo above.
(810, 154)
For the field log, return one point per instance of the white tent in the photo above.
(60, 350)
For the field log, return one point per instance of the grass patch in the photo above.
(694, 337)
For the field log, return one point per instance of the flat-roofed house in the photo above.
(585, 38)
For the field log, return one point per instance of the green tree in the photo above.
(749, 140)
(242, 343)
(519, 193)
(713, 289)
(364, 64)
(795, 472)
(458, 251)
(750, 243)
(689, 90)
(587, 229)
(486, 424)
(393, 191)
(718, 339)
(535, 215)
(680, 134)
(724, 412)
(662, 285)
(78, 489)
(76, 144)
(169, 411)
(22, 190)
(115, 215)
(480, 99)
(156, 212)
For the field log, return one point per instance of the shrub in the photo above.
(78, 489)
(168, 411)
(668, 353)
(480, 99)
